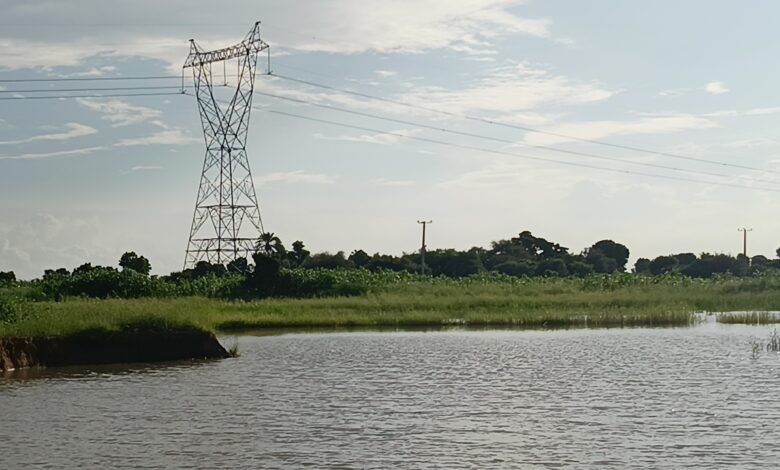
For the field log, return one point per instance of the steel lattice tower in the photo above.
(227, 223)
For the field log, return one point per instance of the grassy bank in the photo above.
(601, 301)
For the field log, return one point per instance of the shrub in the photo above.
(12, 308)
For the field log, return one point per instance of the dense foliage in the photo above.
(276, 272)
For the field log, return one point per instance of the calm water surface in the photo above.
(623, 398)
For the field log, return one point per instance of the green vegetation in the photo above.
(390, 299)
(748, 318)
(525, 281)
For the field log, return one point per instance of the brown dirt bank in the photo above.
(108, 348)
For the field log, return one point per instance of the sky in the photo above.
(86, 179)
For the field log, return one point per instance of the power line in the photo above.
(436, 128)
(5, 25)
(512, 154)
(523, 128)
(501, 152)
(66, 90)
(511, 142)
(88, 79)
(119, 95)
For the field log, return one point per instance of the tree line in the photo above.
(274, 270)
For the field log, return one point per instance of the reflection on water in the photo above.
(91, 372)
(617, 398)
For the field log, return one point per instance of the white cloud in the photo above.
(167, 137)
(593, 130)
(716, 88)
(145, 168)
(744, 112)
(92, 72)
(74, 130)
(59, 153)
(674, 92)
(389, 182)
(22, 53)
(294, 177)
(509, 93)
(120, 113)
(751, 143)
(336, 26)
(49, 241)
(511, 173)
(511, 89)
(385, 73)
(465, 26)
(762, 111)
(389, 138)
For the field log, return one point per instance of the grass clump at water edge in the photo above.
(484, 300)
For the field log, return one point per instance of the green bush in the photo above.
(12, 308)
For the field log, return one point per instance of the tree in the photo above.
(684, 259)
(580, 269)
(516, 268)
(741, 265)
(266, 279)
(759, 261)
(616, 251)
(388, 262)
(642, 266)
(327, 261)
(238, 265)
(601, 263)
(7, 278)
(298, 255)
(270, 245)
(552, 267)
(539, 247)
(88, 268)
(204, 268)
(51, 273)
(452, 263)
(139, 264)
(662, 265)
(359, 258)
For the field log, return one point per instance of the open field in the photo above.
(601, 301)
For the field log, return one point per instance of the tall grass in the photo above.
(398, 300)
(746, 318)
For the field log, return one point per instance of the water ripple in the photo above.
(638, 398)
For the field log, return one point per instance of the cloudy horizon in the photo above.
(86, 179)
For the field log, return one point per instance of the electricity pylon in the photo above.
(227, 223)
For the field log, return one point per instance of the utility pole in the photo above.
(422, 248)
(744, 239)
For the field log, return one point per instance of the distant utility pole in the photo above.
(744, 239)
(422, 248)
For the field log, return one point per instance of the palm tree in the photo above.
(270, 244)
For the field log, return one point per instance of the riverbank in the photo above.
(599, 301)
(133, 343)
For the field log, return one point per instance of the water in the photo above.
(623, 398)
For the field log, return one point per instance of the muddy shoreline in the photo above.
(93, 348)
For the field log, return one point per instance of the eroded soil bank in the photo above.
(108, 348)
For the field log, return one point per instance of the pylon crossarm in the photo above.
(249, 46)
(239, 50)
